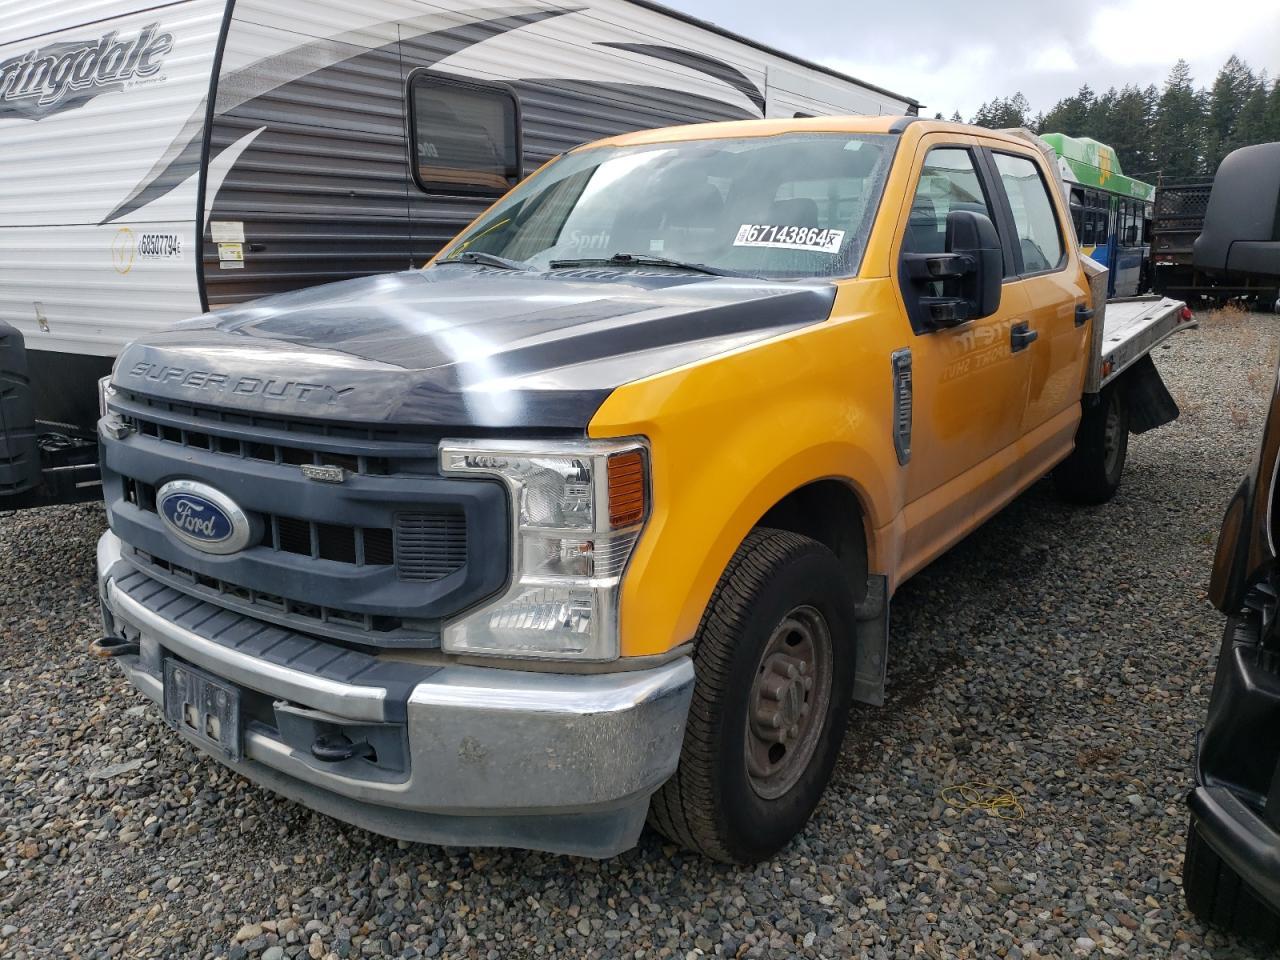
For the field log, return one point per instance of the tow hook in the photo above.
(109, 647)
(336, 747)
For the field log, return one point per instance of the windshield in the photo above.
(789, 206)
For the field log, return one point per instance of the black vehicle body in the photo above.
(1235, 805)
(1180, 206)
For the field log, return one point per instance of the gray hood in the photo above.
(462, 345)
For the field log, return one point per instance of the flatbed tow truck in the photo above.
(598, 518)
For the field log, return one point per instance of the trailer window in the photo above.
(465, 135)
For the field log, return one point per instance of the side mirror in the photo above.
(1241, 232)
(947, 289)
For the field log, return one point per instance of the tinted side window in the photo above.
(1033, 216)
(465, 135)
(948, 181)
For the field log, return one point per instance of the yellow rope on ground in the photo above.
(987, 797)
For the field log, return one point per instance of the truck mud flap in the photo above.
(19, 451)
(1150, 403)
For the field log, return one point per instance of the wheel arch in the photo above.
(701, 518)
(829, 511)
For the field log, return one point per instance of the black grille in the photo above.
(362, 546)
(257, 450)
(328, 553)
(306, 616)
(430, 546)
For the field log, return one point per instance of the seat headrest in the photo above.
(796, 212)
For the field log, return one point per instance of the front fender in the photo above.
(732, 436)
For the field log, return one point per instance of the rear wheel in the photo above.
(19, 452)
(1217, 895)
(1092, 473)
(774, 660)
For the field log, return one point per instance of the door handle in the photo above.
(1021, 336)
(1083, 314)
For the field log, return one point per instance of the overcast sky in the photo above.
(953, 56)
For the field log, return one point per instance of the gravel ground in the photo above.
(1063, 654)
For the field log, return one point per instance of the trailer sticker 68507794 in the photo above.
(788, 237)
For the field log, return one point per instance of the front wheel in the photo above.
(1092, 473)
(774, 659)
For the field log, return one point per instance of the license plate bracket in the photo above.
(203, 707)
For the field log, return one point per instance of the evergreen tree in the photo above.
(1004, 112)
(1178, 133)
(1251, 121)
(1017, 111)
(1231, 89)
(985, 117)
(1127, 126)
(1271, 122)
(956, 118)
(1073, 115)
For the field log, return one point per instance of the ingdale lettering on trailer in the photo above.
(69, 73)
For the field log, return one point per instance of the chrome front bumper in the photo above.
(556, 762)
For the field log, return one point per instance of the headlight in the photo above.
(577, 510)
(105, 390)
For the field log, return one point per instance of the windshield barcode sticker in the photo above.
(789, 238)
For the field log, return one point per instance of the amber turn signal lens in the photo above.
(626, 489)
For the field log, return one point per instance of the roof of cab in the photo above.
(776, 127)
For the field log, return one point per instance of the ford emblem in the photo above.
(202, 517)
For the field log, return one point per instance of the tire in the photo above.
(1092, 473)
(734, 796)
(19, 450)
(1216, 894)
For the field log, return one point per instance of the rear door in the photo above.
(1051, 284)
(969, 387)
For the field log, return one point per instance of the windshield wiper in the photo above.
(488, 260)
(646, 260)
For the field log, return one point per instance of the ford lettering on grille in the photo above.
(202, 517)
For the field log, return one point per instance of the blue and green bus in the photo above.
(1111, 212)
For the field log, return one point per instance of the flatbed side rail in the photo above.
(1131, 328)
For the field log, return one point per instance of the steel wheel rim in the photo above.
(787, 706)
(1111, 436)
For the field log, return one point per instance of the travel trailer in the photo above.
(164, 160)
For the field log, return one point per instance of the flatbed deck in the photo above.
(1131, 328)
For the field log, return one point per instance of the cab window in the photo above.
(1038, 235)
(789, 206)
(465, 135)
(948, 181)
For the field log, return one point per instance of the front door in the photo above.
(969, 385)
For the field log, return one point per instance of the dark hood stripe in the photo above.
(461, 346)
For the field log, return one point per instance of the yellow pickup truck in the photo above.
(598, 517)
